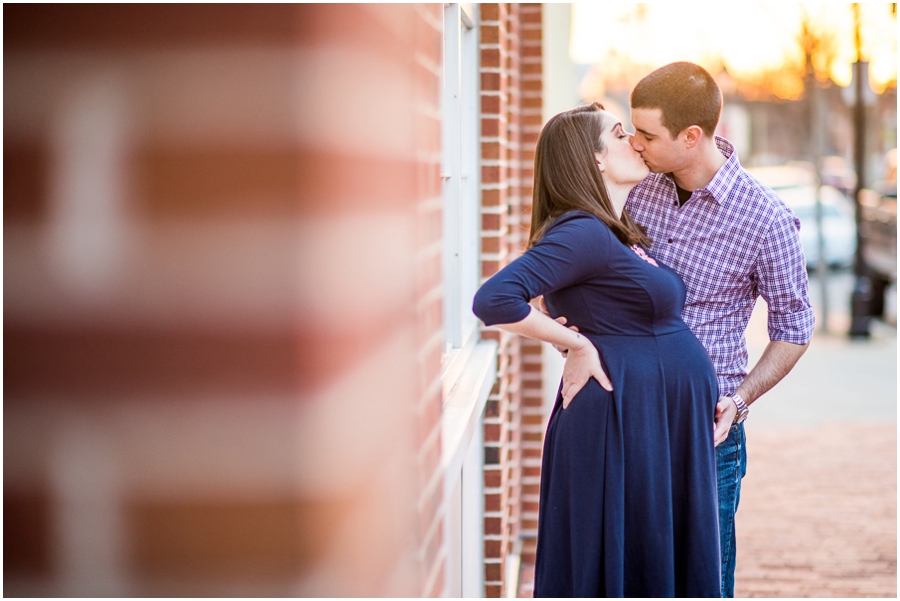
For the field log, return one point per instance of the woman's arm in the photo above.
(583, 360)
(572, 250)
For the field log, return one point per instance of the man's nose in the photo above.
(634, 142)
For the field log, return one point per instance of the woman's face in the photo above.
(620, 163)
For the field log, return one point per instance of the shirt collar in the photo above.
(719, 186)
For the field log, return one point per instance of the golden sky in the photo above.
(754, 41)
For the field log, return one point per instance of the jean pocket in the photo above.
(728, 454)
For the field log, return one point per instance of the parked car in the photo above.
(795, 184)
(879, 232)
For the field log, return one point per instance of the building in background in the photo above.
(240, 248)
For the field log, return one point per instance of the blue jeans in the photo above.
(731, 466)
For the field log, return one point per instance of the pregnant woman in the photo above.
(628, 482)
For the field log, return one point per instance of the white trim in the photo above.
(468, 365)
(451, 149)
(472, 519)
(460, 172)
(466, 403)
(513, 567)
(454, 362)
(462, 463)
(465, 9)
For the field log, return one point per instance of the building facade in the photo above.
(240, 248)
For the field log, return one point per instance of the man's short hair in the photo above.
(685, 93)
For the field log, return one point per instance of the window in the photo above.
(459, 172)
(469, 364)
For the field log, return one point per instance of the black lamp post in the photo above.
(861, 297)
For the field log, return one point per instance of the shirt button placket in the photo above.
(674, 222)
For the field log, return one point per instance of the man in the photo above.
(731, 240)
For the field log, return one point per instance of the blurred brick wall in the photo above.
(511, 93)
(429, 300)
(220, 329)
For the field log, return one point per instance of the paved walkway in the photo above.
(818, 511)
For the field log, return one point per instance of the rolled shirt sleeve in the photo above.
(783, 283)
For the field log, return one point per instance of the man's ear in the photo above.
(692, 135)
(600, 163)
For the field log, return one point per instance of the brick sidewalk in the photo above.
(818, 512)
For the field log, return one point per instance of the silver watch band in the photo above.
(742, 410)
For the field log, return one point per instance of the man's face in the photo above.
(661, 153)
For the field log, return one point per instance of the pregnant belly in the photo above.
(674, 356)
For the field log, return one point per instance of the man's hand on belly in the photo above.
(725, 412)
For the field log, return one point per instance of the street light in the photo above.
(861, 297)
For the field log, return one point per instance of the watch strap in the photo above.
(742, 410)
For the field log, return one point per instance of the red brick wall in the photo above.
(510, 108)
(532, 436)
(221, 326)
(429, 300)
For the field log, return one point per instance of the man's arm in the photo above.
(776, 362)
(784, 286)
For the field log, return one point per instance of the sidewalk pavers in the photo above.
(818, 512)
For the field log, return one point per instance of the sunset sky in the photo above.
(751, 40)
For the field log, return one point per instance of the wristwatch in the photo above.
(742, 409)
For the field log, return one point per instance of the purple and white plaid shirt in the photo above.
(732, 241)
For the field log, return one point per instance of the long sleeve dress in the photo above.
(628, 480)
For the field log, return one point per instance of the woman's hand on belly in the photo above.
(541, 306)
(582, 363)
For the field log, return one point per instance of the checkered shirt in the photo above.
(732, 241)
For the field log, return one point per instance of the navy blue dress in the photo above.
(628, 480)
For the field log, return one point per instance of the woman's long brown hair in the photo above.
(567, 178)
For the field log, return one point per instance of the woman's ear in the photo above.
(600, 163)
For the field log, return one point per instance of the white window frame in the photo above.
(459, 174)
(469, 364)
